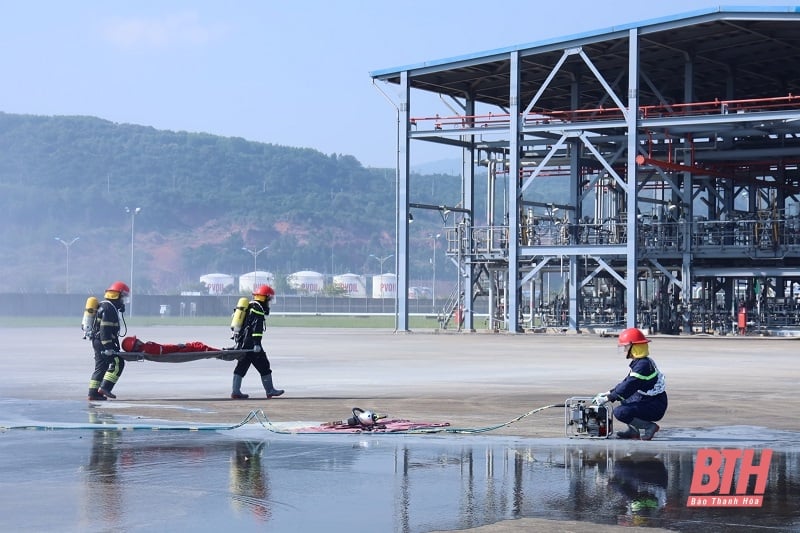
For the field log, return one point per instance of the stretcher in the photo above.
(183, 357)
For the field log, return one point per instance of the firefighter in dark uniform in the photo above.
(643, 391)
(108, 365)
(249, 338)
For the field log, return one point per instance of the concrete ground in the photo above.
(468, 380)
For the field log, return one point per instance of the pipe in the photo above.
(678, 167)
(687, 109)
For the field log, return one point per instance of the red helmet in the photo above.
(264, 290)
(632, 336)
(129, 343)
(119, 287)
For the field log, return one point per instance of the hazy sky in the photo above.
(293, 73)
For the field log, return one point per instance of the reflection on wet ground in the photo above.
(247, 479)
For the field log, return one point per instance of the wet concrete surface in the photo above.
(104, 466)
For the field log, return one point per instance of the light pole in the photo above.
(133, 212)
(255, 254)
(381, 260)
(434, 241)
(67, 245)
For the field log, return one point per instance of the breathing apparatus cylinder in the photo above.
(89, 313)
(237, 320)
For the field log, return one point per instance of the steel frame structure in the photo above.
(677, 141)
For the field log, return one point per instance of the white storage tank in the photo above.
(252, 280)
(306, 282)
(384, 286)
(216, 283)
(351, 284)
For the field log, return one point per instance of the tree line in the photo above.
(202, 197)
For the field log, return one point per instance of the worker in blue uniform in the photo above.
(642, 393)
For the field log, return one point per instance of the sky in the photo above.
(288, 73)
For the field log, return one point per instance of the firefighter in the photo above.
(642, 393)
(108, 365)
(249, 338)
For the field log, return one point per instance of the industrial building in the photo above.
(653, 166)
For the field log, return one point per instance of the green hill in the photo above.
(203, 198)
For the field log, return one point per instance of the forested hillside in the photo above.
(203, 198)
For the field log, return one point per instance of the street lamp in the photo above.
(133, 212)
(255, 254)
(67, 245)
(434, 241)
(381, 260)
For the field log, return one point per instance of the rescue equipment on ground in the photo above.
(361, 418)
(89, 314)
(237, 320)
(388, 426)
(398, 426)
(585, 419)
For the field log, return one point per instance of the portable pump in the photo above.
(584, 419)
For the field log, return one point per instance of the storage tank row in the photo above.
(307, 282)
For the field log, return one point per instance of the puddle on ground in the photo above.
(248, 479)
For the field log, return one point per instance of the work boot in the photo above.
(236, 391)
(105, 389)
(271, 390)
(95, 396)
(650, 428)
(630, 433)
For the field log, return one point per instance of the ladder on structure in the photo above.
(453, 310)
(449, 311)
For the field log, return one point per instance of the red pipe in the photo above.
(677, 167)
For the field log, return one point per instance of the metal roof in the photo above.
(737, 52)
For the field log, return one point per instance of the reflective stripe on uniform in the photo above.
(261, 314)
(659, 387)
(645, 378)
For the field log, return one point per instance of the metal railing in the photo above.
(757, 234)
